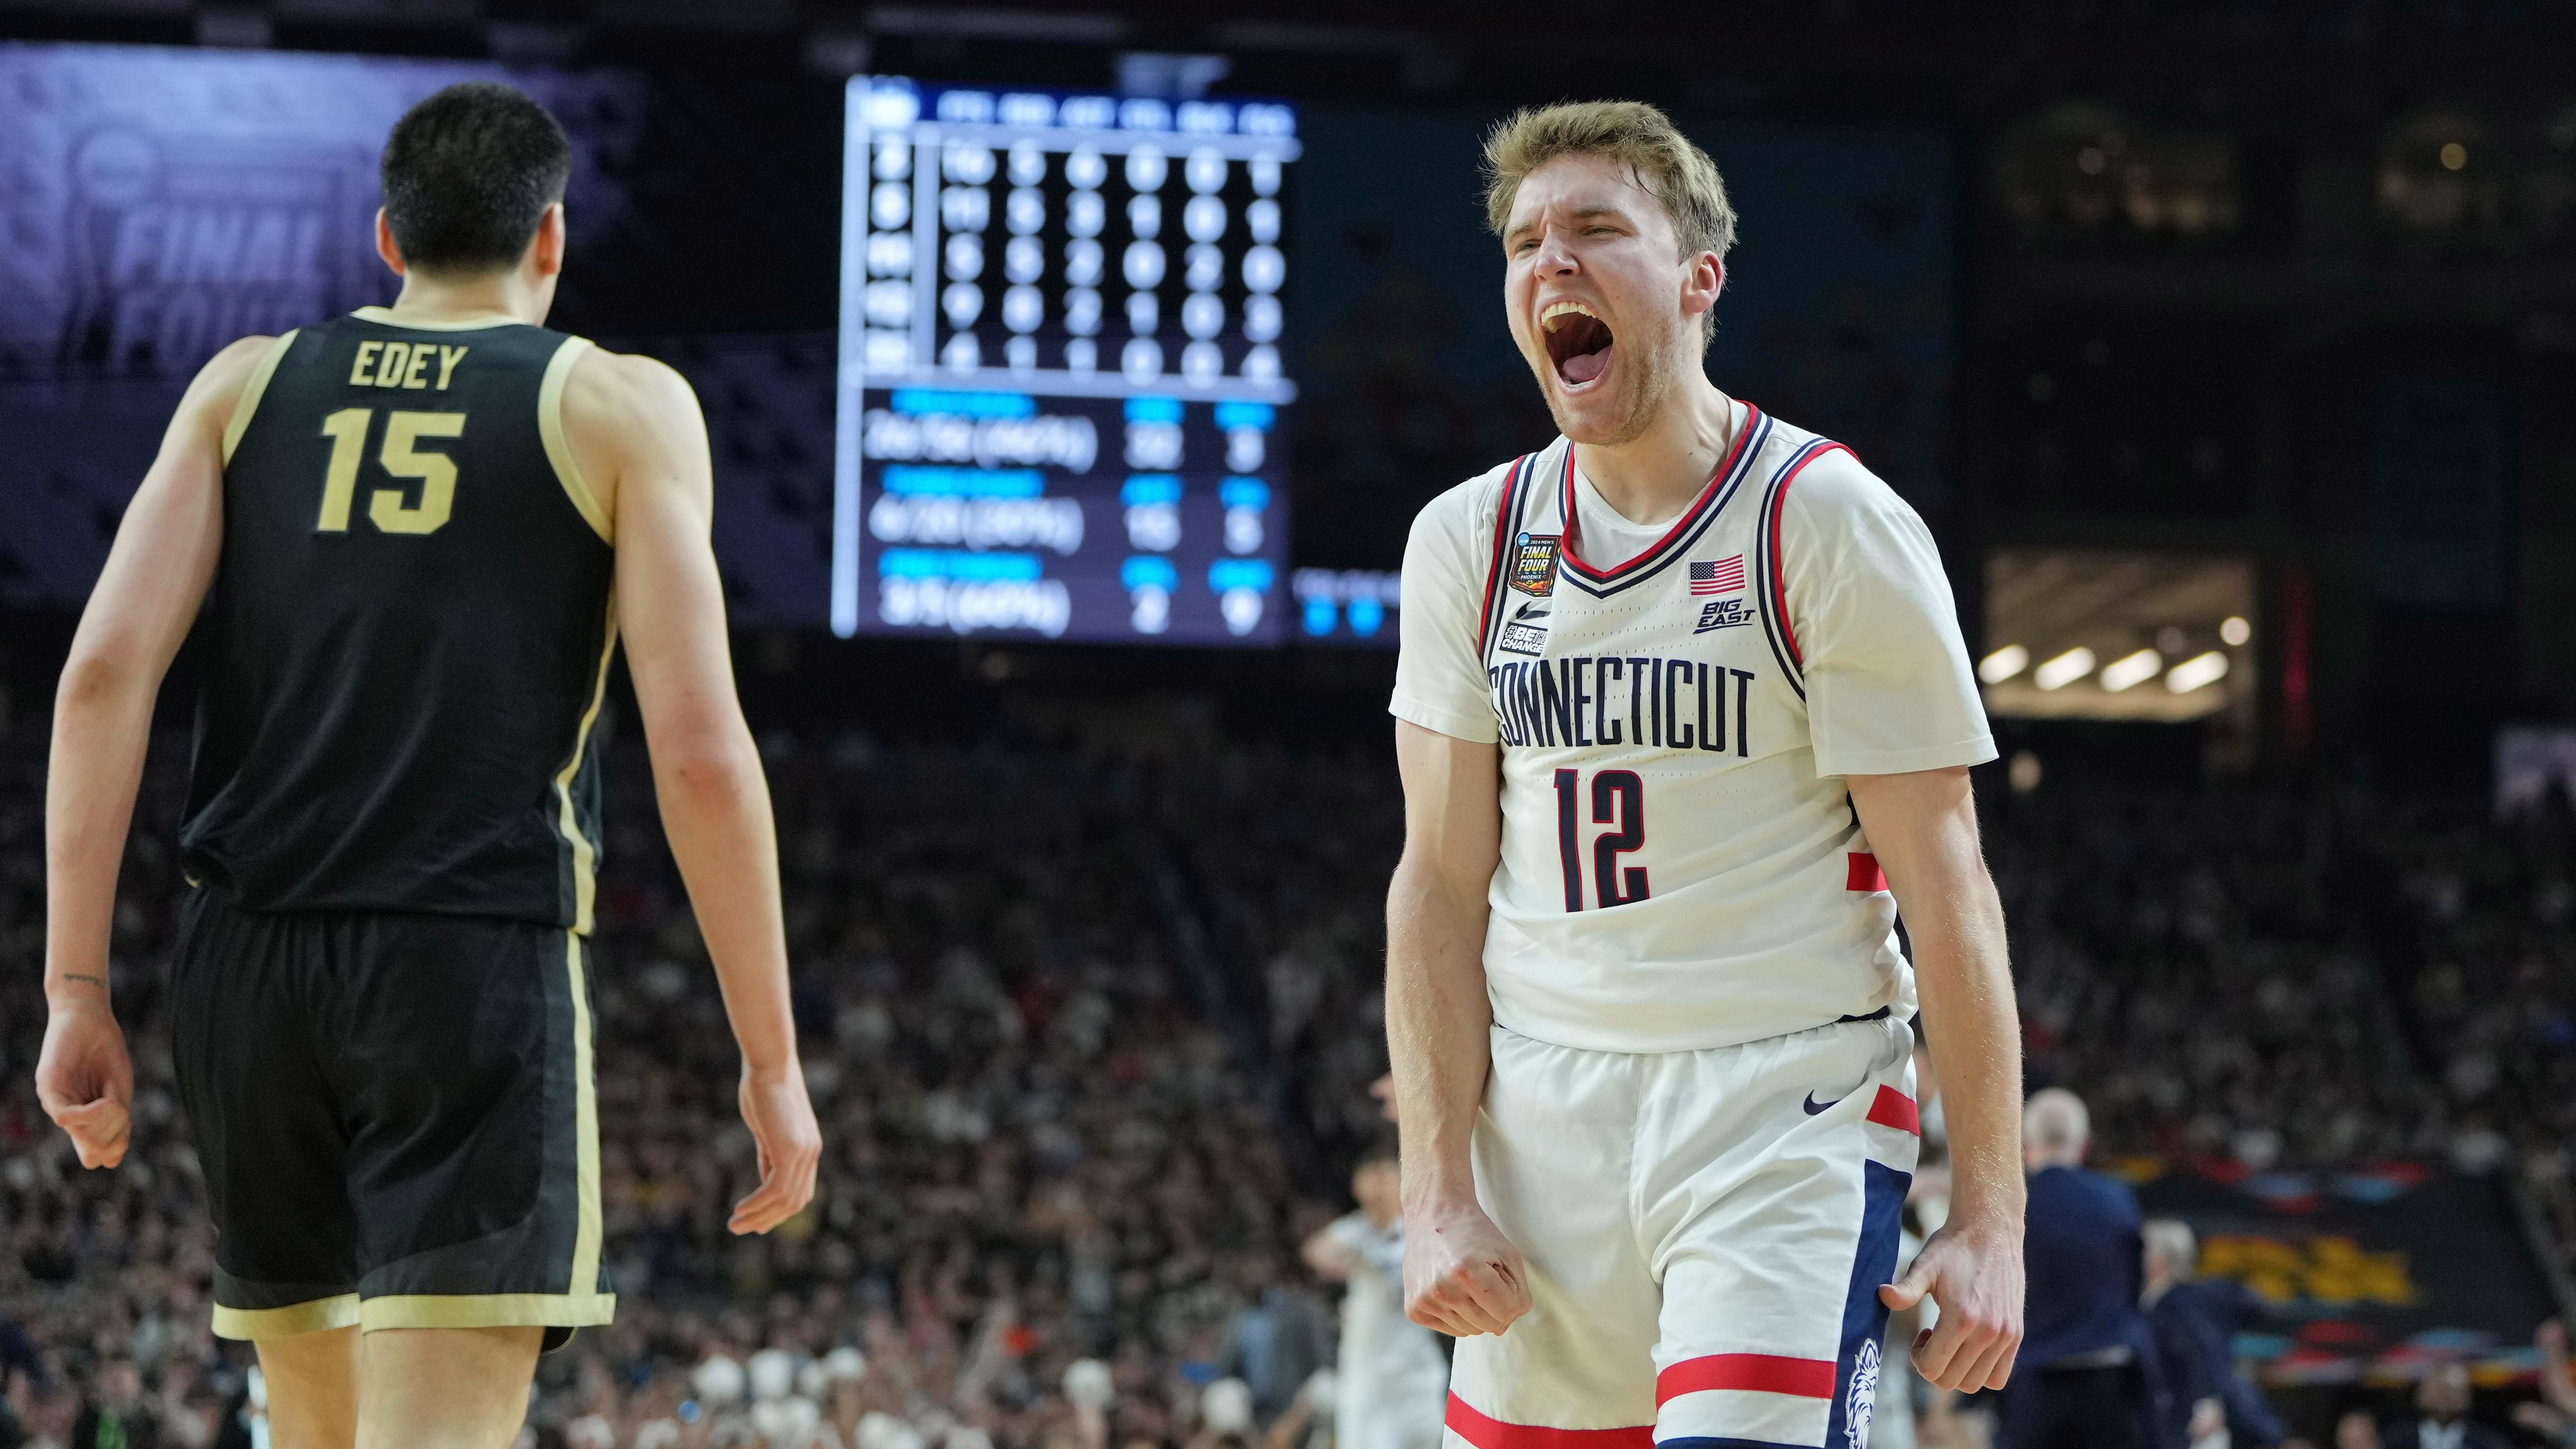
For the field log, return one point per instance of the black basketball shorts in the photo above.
(395, 1117)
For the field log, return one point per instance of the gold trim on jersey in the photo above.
(340, 1310)
(487, 1310)
(559, 447)
(252, 389)
(587, 1236)
(384, 317)
(585, 855)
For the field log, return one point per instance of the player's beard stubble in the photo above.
(1644, 383)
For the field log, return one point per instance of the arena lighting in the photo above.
(2003, 664)
(2197, 671)
(2131, 669)
(2235, 630)
(2065, 669)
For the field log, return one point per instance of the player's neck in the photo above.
(480, 298)
(1656, 474)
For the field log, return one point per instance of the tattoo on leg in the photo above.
(98, 981)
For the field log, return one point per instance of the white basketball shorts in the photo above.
(1705, 1233)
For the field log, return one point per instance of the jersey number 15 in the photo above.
(347, 429)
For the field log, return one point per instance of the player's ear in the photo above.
(546, 250)
(1704, 278)
(386, 246)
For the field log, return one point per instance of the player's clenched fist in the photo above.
(1461, 1275)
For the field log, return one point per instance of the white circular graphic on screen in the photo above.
(1028, 164)
(967, 162)
(1204, 218)
(1261, 319)
(1202, 362)
(1153, 611)
(1081, 312)
(1082, 262)
(1024, 260)
(890, 205)
(1143, 264)
(894, 160)
(1023, 308)
(1206, 267)
(1145, 215)
(1145, 168)
(890, 254)
(1202, 316)
(1264, 269)
(1026, 210)
(965, 257)
(1085, 213)
(1207, 170)
(1242, 610)
(1084, 168)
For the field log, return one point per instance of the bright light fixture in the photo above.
(2198, 671)
(2235, 630)
(2065, 669)
(2003, 664)
(2131, 669)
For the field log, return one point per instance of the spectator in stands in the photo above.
(2082, 1378)
(113, 1414)
(2194, 1322)
(2441, 1418)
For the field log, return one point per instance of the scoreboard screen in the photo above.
(1060, 401)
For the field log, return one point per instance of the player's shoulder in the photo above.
(624, 384)
(1821, 481)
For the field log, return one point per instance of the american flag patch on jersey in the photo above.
(1724, 576)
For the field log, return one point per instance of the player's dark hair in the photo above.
(468, 173)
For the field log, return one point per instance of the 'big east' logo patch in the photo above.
(1534, 564)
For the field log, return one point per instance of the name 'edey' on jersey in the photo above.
(1681, 866)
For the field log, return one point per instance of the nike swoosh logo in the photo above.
(1813, 1106)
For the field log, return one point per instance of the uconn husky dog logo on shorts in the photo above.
(1862, 1403)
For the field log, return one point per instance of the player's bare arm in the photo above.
(147, 598)
(1923, 826)
(640, 439)
(1461, 1275)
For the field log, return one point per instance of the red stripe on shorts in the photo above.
(1865, 874)
(1763, 1373)
(1895, 1109)
(1490, 1433)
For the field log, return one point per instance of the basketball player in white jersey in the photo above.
(1684, 717)
(1391, 1380)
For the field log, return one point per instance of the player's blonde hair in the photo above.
(1636, 135)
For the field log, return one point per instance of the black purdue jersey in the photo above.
(408, 634)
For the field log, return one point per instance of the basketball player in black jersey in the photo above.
(409, 541)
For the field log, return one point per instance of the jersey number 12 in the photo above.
(347, 430)
(1618, 801)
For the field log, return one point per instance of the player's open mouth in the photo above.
(1577, 342)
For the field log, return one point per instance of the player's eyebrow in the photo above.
(1577, 213)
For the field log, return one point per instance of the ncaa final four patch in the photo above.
(1534, 564)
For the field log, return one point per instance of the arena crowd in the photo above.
(1092, 1036)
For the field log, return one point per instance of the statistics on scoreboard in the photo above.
(1060, 402)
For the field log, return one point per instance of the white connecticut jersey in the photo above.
(1681, 865)
(1392, 1383)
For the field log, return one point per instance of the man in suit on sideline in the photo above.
(2085, 1378)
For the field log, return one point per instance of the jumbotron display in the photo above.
(1061, 405)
